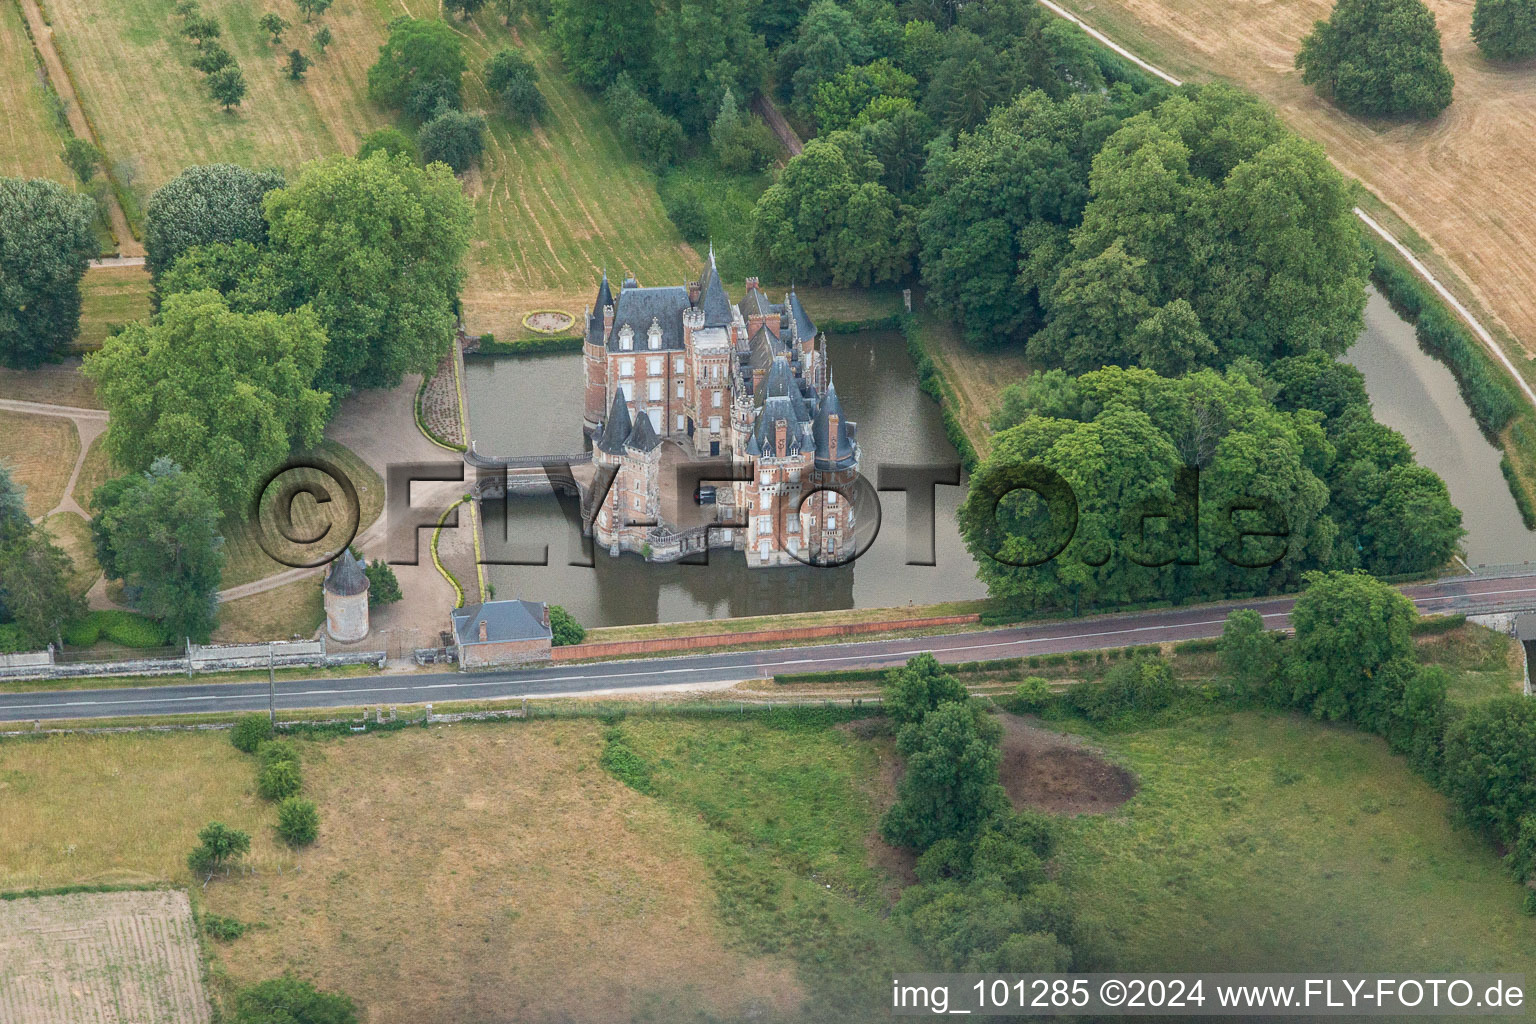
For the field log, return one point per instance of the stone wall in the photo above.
(757, 636)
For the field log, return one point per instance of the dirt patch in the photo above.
(548, 321)
(1058, 774)
(105, 957)
(898, 863)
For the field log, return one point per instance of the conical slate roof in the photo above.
(617, 430)
(604, 296)
(716, 304)
(346, 577)
(833, 452)
(643, 438)
(801, 326)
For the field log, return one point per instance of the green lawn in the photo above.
(29, 136)
(1263, 841)
(109, 298)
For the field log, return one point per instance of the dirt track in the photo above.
(1463, 181)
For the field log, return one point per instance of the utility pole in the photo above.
(271, 689)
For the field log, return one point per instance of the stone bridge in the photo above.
(499, 475)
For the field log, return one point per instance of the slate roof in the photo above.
(643, 438)
(618, 427)
(802, 327)
(346, 577)
(637, 307)
(833, 453)
(504, 620)
(763, 347)
(716, 304)
(756, 304)
(783, 401)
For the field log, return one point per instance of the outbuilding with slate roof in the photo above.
(497, 633)
(346, 599)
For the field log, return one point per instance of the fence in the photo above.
(191, 659)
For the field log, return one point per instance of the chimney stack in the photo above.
(483, 636)
(545, 615)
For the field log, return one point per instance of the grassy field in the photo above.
(29, 136)
(96, 469)
(276, 614)
(40, 452)
(73, 535)
(59, 383)
(553, 205)
(1462, 181)
(976, 376)
(1261, 840)
(109, 298)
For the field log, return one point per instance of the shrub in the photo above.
(279, 780)
(298, 822)
(1140, 686)
(1490, 766)
(250, 732)
(565, 628)
(129, 629)
(918, 687)
(287, 1000)
(454, 138)
(514, 80)
(218, 847)
(653, 136)
(273, 751)
(1033, 693)
(224, 929)
(389, 141)
(383, 586)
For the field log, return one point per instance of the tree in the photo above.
(822, 222)
(1378, 58)
(513, 79)
(419, 66)
(741, 141)
(211, 203)
(212, 57)
(322, 38)
(48, 244)
(465, 9)
(218, 847)
(298, 821)
(287, 1000)
(1490, 766)
(311, 8)
(600, 41)
(383, 586)
(564, 627)
(950, 786)
(279, 780)
(376, 247)
(34, 587)
(390, 141)
(250, 732)
(200, 29)
(14, 520)
(1250, 654)
(1353, 650)
(297, 65)
(704, 47)
(840, 101)
(226, 395)
(81, 157)
(1505, 29)
(161, 532)
(654, 138)
(227, 86)
(917, 688)
(273, 24)
(454, 138)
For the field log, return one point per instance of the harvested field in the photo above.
(1462, 181)
(277, 614)
(40, 452)
(29, 138)
(976, 376)
(1057, 773)
(128, 957)
(59, 383)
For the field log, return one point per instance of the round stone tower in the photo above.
(346, 599)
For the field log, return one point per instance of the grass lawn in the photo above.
(976, 376)
(29, 136)
(245, 560)
(96, 469)
(59, 383)
(109, 298)
(1482, 662)
(276, 614)
(40, 452)
(73, 535)
(1262, 841)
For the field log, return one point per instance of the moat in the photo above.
(533, 406)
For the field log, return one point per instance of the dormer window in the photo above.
(626, 338)
(653, 336)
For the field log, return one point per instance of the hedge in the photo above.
(130, 629)
(489, 346)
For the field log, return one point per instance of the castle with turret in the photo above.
(680, 374)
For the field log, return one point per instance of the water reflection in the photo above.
(1416, 394)
(533, 406)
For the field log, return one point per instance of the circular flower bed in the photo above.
(548, 321)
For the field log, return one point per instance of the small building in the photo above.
(346, 599)
(499, 633)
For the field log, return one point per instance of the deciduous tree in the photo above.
(81, 157)
(227, 86)
(513, 79)
(1505, 29)
(419, 66)
(273, 24)
(1378, 58)
(48, 243)
(210, 203)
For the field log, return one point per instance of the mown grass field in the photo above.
(59, 383)
(553, 205)
(110, 297)
(1262, 841)
(40, 452)
(73, 535)
(277, 614)
(29, 137)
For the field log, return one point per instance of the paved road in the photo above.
(1470, 594)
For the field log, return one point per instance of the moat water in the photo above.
(533, 406)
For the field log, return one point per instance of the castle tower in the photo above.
(594, 352)
(346, 599)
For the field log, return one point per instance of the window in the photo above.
(677, 364)
(831, 497)
(653, 390)
(762, 502)
(832, 522)
(653, 365)
(714, 424)
(626, 367)
(680, 423)
(679, 389)
(715, 399)
(768, 478)
(626, 340)
(653, 340)
(764, 525)
(628, 387)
